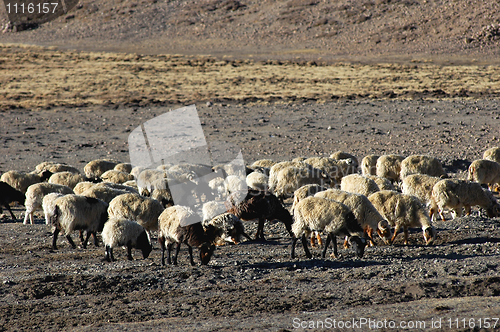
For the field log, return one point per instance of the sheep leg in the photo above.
(81, 236)
(12, 214)
(190, 250)
(294, 242)
(405, 231)
(70, 240)
(109, 254)
(84, 243)
(304, 244)
(369, 232)
(260, 229)
(318, 237)
(161, 240)
(313, 240)
(327, 243)
(54, 239)
(247, 236)
(96, 240)
(333, 237)
(169, 250)
(396, 230)
(346, 242)
(28, 214)
(177, 249)
(129, 251)
(441, 214)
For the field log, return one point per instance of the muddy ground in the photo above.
(255, 285)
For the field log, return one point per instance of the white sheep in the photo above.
(333, 218)
(123, 167)
(55, 168)
(115, 176)
(122, 232)
(420, 186)
(48, 206)
(95, 168)
(419, 164)
(257, 180)
(267, 163)
(230, 226)
(147, 178)
(306, 191)
(484, 171)
(338, 155)
(276, 168)
(103, 192)
(455, 194)
(82, 186)
(72, 212)
(213, 208)
(364, 211)
(35, 194)
(382, 183)
(389, 166)
(403, 211)
(336, 169)
(21, 181)
(179, 224)
(217, 186)
(68, 179)
(144, 210)
(136, 171)
(358, 184)
(369, 165)
(492, 154)
(292, 178)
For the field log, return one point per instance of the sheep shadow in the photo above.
(476, 240)
(313, 263)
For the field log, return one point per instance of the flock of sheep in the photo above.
(330, 197)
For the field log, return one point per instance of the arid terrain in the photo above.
(279, 79)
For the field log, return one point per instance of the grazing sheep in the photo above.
(358, 184)
(68, 179)
(292, 178)
(268, 163)
(82, 186)
(136, 171)
(164, 196)
(369, 165)
(364, 211)
(103, 193)
(179, 224)
(336, 169)
(123, 167)
(262, 205)
(35, 194)
(484, 171)
(55, 168)
(122, 232)
(115, 176)
(95, 168)
(72, 212)
(147, 178)
(144, 210)
(405, 211)
(339, 155)
(231, 228)
(21, 181)
(382, 183)
(276, 168)
(257, 181)
(333, 218)
(212, 209)
(389, 167)
(48, 206)
(418, 164)
(8, 194)
(420, 186)
(492, 154)
(455, 194)
(306, 191)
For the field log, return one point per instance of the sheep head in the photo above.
(206, 252)
(384, 231)
(429, 235)
(144, 244)
(359, 244)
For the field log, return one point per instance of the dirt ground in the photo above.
(279, 79)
